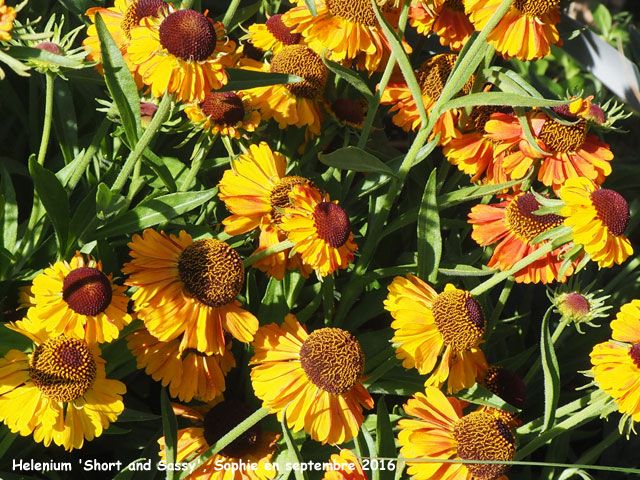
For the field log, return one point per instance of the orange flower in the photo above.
(445, 18)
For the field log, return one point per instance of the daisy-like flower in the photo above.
(445, 18)
(7, 16)
(77, 299)
(428, 324)
(189, 374)
(616, 364)
(598, 218)
(438, 430)
(361, 40)
(188, 288)
(315, 376)
(224, 113)
(344, 466)
(527, 30)
(296, 104)
(58, 392)
(182, 52)
(347, 112)
(255, 446)
(273, 35)
(513, 225)
(320, 230)
(431, 77)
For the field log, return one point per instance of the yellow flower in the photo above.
(190, 288)
(59, 391)
(341, 467)
(445, 18)
(7, 16)
(315, 376)
(224, 113)
(598, 218)
(273, 35)
(77, 299)
(427, 323)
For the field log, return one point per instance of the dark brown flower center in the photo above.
(138, 10)
(480, 115)
(332, 360)
(536, 8)
(304, 62)
(563, 138)
(483, 436)
(87, 291)
(507, 385)
(212, 272)
(455, 5)
(356, 11)
(634, 353)
(524, 223)
(332, 223)
(279, 195)
(459, 319)
(281, 32)
(223, 418)
(613, 210)
(62, 368)
(223, 108)
(188, 35)
(433, 75)
(347, 110)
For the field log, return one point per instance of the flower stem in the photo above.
(48, 114)
(88, 154)
(196, 163)
(231, 11)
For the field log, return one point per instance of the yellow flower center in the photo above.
(304, 62)
(332, 360)
(536, 8)
(212, 272)
(137, 11)
(62, 368)
(279, 195)
(459, 319)
(356, 11)
(188, 35)
(563, 138)
(332, 223)
(524, 223)
(347, 110)
(574, 305)
(87, 291)
(613, 210)
(634, 353)
(433, 74)
(281, 32)
(482, 436)
(223, 108)
(224, 417)
(507, 385)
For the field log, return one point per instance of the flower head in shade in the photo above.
(255, 446)
(344, 466)
(513, 224)
(78, 299)
(182, 52)
(445, 18)
(320, 230)
(315, 376)
(224, 113)
(437, 429)
(616, 363)
(432, 328)
(510, 388)
(189, 374)
(526, 31)
(347, 112)
(58, 392)
(598, 218)
(273, 35)
(188, 288)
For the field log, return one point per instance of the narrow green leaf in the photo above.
(65, 122)
(311, 5)
(155, 211)
(292, 447)
(602, 18)
(53, 198)
(429, 236)
(9, 213)
(130, 415)
(156, 164)
(120, 83)
(509, 81)
(551, 373)
(356, 159)
(170, 430)
(40, 55)
(526, 129)
(108, 203)
(241, 15)
(470, 193)
(385, 442)
(501, 98)
(481, 396)
(240, 79)
(351, 77)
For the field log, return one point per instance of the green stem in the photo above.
(554, 338)
(196, 163)
(278, 247)
(328, 298)
(231, 11)
(88, 154)
(48, 115)
(134, 157)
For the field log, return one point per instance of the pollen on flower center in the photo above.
(281, 32)
(482, 436)
(356, 11)
(224, 417)
(459, 319)
(137, 11)
(212, 272)
(332, 223)
(433, 74)
(279, 195)
(87, 291)
(536, 8)
(634, 353)
(189, 35)
(563, 138)
(612, 208)
(223, 108)
(332, 360)
(62, 368)
(524, 223)
(304, 62)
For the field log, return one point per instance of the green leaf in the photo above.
(429, 236)
(481, 396)
(602, 18)
(40, 55)
(292, 447)
(108, 204)
(470, 193)
(120, 83)
(155, 211)
(385, 442)
(170, 430)
(241, 15)
(156, 164)
(240, 79)
(551, 373)
(311, 5)
(351, 77)
(501, 98)
(53, 198)
(9, 213)
(130, 415)
(356, 159)
(509, 81)
(65, 122)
